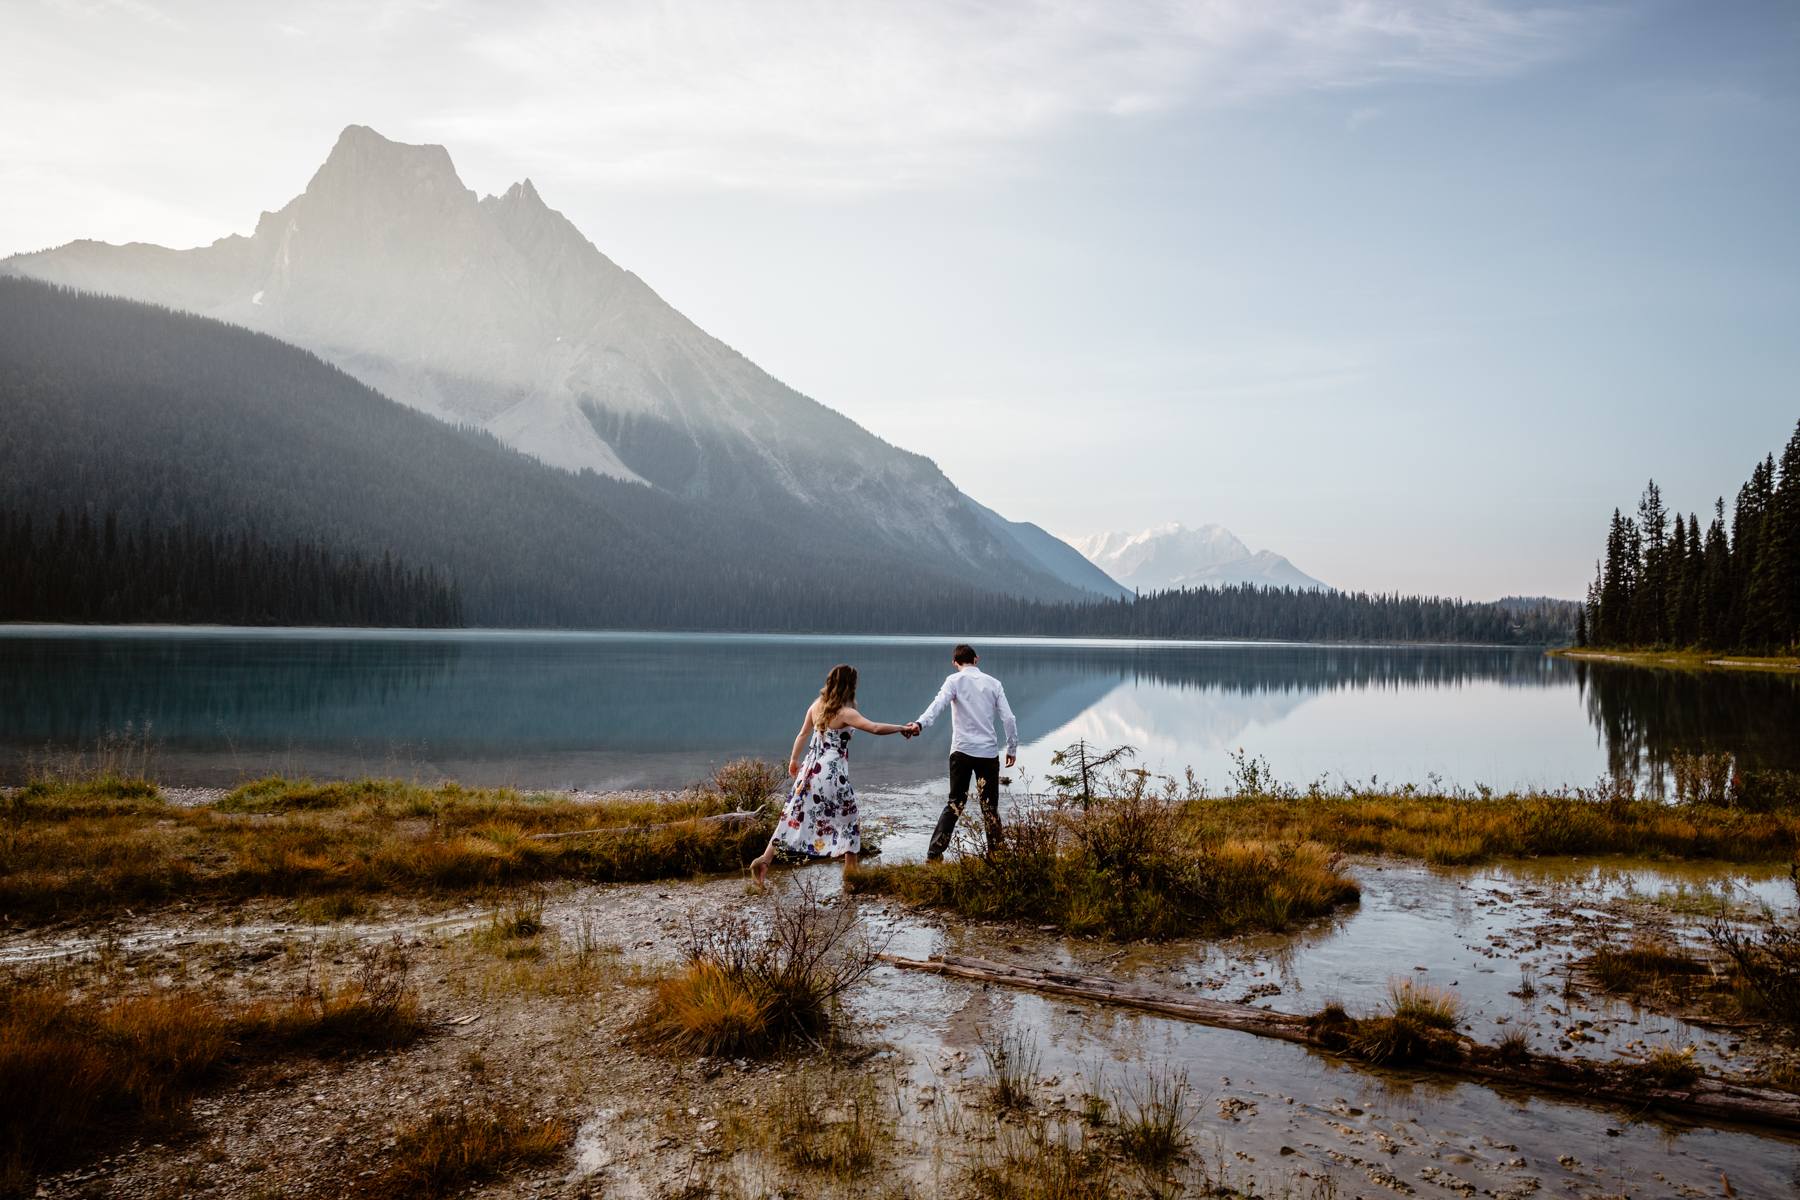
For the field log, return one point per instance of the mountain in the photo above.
(496, 312)
(169, 430)
(1174, 556)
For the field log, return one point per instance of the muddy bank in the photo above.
(550, 1033)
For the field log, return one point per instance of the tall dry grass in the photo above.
(78, 1072)
(86, 846)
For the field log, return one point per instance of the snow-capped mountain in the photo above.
(497, 312)
(1174, 556)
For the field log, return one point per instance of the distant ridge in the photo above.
(1175, 556)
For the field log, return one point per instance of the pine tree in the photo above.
(1650, 601)
(1769, 603)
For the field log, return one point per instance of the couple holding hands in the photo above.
(821, 820)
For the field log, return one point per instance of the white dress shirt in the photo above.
(974, 699)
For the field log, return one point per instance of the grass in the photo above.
(455, 1147)
(1418, 1026)
(1669, 1067)
(1641, 965)
(84, 847)
(752, 989)
(1137, 864)
(1687, 660)
(1012, 1059)
(79, 1072)
(1133, 866)
(1454, 829)
(1040, 1164)
(1154, 1119)
(818, 1124)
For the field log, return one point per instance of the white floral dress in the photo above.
(820, 818)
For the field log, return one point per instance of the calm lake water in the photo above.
(654, 710)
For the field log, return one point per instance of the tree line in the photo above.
(78, 570)
(1661, 583)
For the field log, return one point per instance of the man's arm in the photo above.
(935, 709)
(1007, 719)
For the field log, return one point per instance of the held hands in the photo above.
(911, 729)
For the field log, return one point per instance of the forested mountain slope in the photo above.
(496, 312)
(165, 420)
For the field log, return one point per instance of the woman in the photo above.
(820, 818)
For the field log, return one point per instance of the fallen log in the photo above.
(1605, 1083)
(730, 818)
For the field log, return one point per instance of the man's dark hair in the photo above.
(964, 653)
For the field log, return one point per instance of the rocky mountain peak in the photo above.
(363, 166)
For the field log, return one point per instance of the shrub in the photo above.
(1766, 964)
(749, 990)
(1419, 1026)
(748, 784)
(1669, 1067)
(1134, 866)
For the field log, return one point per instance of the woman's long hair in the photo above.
(838, 693)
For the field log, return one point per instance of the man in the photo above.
(974, 700)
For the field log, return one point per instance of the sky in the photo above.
(1414, 293)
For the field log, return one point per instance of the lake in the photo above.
(613, 710)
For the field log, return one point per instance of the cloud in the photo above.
(207, 109)
(865, 95)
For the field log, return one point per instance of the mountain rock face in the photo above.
(1174, 556)
(496, 312)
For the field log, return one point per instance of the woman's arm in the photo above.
(806, 724)
(855, 720)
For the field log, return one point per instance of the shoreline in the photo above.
(1683, 660)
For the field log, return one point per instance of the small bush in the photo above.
(1514, 1047)
(1766, 966)
(1669, 1067)
(1419, 1026)
(453, 1148)
(749, 784)
(749, 990)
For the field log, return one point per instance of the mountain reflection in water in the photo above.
(612, 710)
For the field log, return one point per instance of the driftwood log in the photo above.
(1617, 1085)
(730, 818)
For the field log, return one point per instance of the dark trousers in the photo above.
(986, 772)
